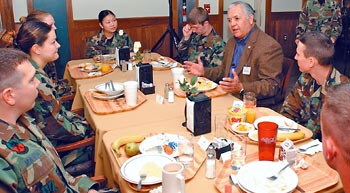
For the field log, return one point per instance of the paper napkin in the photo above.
(312, 150)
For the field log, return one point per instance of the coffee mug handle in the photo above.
(181, 181)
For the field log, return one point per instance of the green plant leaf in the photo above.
(194, 90)
(193, 80)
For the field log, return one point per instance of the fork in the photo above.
(234, 181)
(275, 176)
(112, 85)
(142, 177)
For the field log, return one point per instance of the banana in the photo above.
(292, 136)
(124, 140)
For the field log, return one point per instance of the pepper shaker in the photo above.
(166, 90)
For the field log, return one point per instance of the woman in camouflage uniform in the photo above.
(62, 85)
(108, 37)
(60, 125)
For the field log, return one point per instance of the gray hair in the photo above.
(247, 8)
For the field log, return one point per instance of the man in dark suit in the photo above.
(252, 59)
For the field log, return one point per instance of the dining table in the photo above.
(319, 177)
(111, 121)
(104, 119)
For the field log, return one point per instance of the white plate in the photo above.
(105, 96)
(89, 67)
(249, 127)
(119, 88)
(252, 177)
(253, 135)
(163, 64)
(280, 121)
(150, 144)
(130, 170)
(212, 86)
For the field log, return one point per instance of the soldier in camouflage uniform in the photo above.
(28, 161)
(61, 85)
(304, 103)
(320, 15)
(108, 37)
(60, 125)
(200, 40)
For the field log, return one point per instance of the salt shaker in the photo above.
(171, 97)
(210, 163)
(166, 90)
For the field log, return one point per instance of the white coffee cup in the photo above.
(130, 92)
(173, 180)
(178, 74)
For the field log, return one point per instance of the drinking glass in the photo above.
(238, 151)
(97, 56)
(220, 123)
(249, 101)
(186, 149)
(267, 133)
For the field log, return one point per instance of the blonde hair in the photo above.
(35, 15)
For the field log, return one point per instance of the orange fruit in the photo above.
(105, 68)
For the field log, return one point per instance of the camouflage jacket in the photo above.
(326, 18)
(59, 125)
(29, 162)
(61, 85)
(100, 42)
(304, 102)
(210, 48)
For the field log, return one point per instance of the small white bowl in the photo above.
(119, 88)
(242, 127)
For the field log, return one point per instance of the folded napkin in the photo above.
(312, 150)
(156, 190)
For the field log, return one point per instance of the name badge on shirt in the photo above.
(246, 70)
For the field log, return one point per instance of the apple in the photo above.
(131, 149)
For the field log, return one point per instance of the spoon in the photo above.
(142, 177)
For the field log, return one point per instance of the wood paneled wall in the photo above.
(147, 30)
(282, 27)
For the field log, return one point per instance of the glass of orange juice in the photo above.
(249, 101)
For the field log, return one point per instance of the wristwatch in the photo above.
(241, 93)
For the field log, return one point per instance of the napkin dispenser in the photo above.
(144, 77)
(122, 54)
(198, 114)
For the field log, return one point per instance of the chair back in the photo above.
(6, 39)
(287, 68)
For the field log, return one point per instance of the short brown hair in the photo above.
(318, 45)
(336, 111)
(9, 60)
(198, 15)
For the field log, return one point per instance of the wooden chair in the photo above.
(287, 69)
(89, 167)
(6, 39)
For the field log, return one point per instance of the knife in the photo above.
(288, 129)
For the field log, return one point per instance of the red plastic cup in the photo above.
(267, 134)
